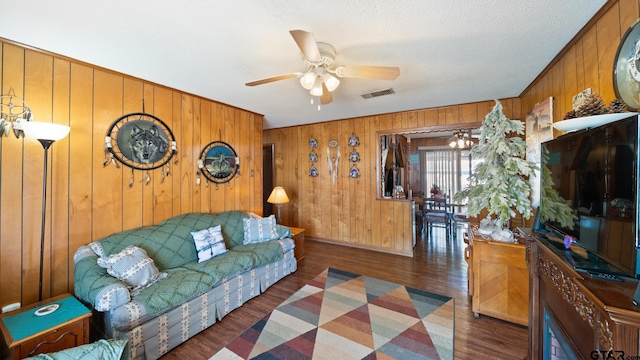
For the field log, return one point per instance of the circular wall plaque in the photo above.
(219, 162)
(626, 68)
(140, 141)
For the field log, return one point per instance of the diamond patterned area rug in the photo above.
(340, 315)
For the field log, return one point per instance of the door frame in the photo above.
(268, 166)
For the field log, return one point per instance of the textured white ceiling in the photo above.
(449, 52)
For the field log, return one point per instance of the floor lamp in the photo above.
(46, 134)
(278, 196)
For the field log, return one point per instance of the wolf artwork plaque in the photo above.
(142, 141)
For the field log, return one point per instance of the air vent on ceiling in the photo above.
(373, 94)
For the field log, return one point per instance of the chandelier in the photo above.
(460, 140)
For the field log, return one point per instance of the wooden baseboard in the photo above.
(366, 247)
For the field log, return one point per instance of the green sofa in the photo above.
(192, 295)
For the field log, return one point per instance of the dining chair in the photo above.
(457, 219)
(436, 212)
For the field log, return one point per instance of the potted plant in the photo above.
(500, 183)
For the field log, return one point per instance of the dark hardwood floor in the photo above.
(437, 266)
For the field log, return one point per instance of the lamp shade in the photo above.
(317, 87)
(278, 196)
(307, 80)
(44, 130)
(330, 81)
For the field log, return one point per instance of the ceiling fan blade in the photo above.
(326, 95)
(307, 44)
(369, 72)
(272, 79)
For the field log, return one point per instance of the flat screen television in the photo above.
(596, 170)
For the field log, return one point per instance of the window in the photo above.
(447, 168)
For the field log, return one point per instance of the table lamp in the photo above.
(278, 196)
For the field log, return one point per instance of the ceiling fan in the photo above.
(319, 78)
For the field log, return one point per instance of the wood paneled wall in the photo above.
(586, 63)
(349, 212)
(87, 201)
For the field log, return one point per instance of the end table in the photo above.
(297, 234)
(33, 330)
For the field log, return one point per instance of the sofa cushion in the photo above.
(257, 230)
(209, 243)
(265, 252)
(232, 262)
(133, 267)
(180, 285)
(230, 221)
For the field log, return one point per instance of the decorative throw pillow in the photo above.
(209, 243)
(259, 230)
(133, 267)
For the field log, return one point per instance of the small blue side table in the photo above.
(32, 330)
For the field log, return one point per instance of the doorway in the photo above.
(267, 180)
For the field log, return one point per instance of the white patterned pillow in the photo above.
(259, 230)
(133, 267)
(209, 243)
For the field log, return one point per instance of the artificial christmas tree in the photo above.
(499, 183)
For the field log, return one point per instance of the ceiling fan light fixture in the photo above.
(330, 81)
(307, 80)
(319, 78)
(316, 90)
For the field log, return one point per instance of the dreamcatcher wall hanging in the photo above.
(142, 142)
(333, 159)
(219, 163)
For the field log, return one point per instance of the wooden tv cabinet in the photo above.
(591, 315)
(498, 278)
